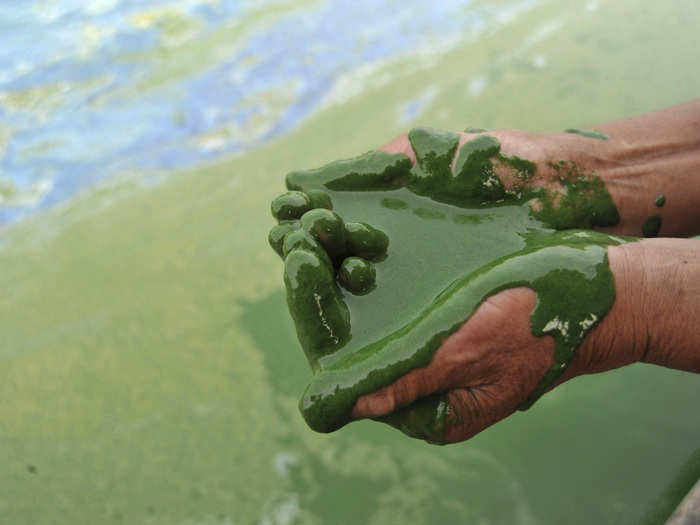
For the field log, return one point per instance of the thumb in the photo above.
(418, 383)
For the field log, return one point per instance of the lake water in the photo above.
(149, 371)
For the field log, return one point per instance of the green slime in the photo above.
(651, 226)
(440, 241)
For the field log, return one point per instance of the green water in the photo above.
(150, 370)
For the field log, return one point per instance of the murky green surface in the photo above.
(149, 369)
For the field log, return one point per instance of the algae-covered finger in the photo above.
(278, 233)
(320, 315)
(303, 240)
(319, 199)
(366, 241)
(328, 228)
(474, 153)
(290, 205)
(475, 177)
(357, 275)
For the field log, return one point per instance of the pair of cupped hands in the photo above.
(490, 365)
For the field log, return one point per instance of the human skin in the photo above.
(493, 362)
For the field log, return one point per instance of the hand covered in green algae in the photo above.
(385, 258)
(387, 254)
(482, 374)
(488, 368)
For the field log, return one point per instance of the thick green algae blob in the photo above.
(357, 275)
(585, 204)
(651, 226)
(436, 272)
(290, 205)
(590, 133)
(373, 171)
(660, 200)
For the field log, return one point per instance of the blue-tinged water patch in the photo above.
(89, 90)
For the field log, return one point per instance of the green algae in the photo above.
(589, 133)
(473, 181)
(320, 315)
(504, 242)
(651, 226)
(365, 241)
(328, 228)
(278, 233)
(319, 199)
(434, 150)
(373, 171)
(524, 169)
(585, 203)
(357, 275)
(394, 204)
(660, 200)
(291, 205)
(474, 130)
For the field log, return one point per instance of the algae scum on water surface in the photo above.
(385, 259)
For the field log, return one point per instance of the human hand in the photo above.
(493, 362)
(648, 165)
(519, 176)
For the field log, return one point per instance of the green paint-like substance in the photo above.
(365, 241)
(474, 130)
(278, 233)
(585, 204)
(321, 316)
(590, 133)
(434, 152)
(328, 228)
(467, 238)
(524, 169)
(660, 200)
(651, 226)
(319, 199)
(373, 171)
(290, 205)
(357, 275)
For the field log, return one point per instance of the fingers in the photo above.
(453, 365)
(486, 368)
(451, 417)
(416, 384)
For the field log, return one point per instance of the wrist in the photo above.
(621, 337)
(657, 297)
